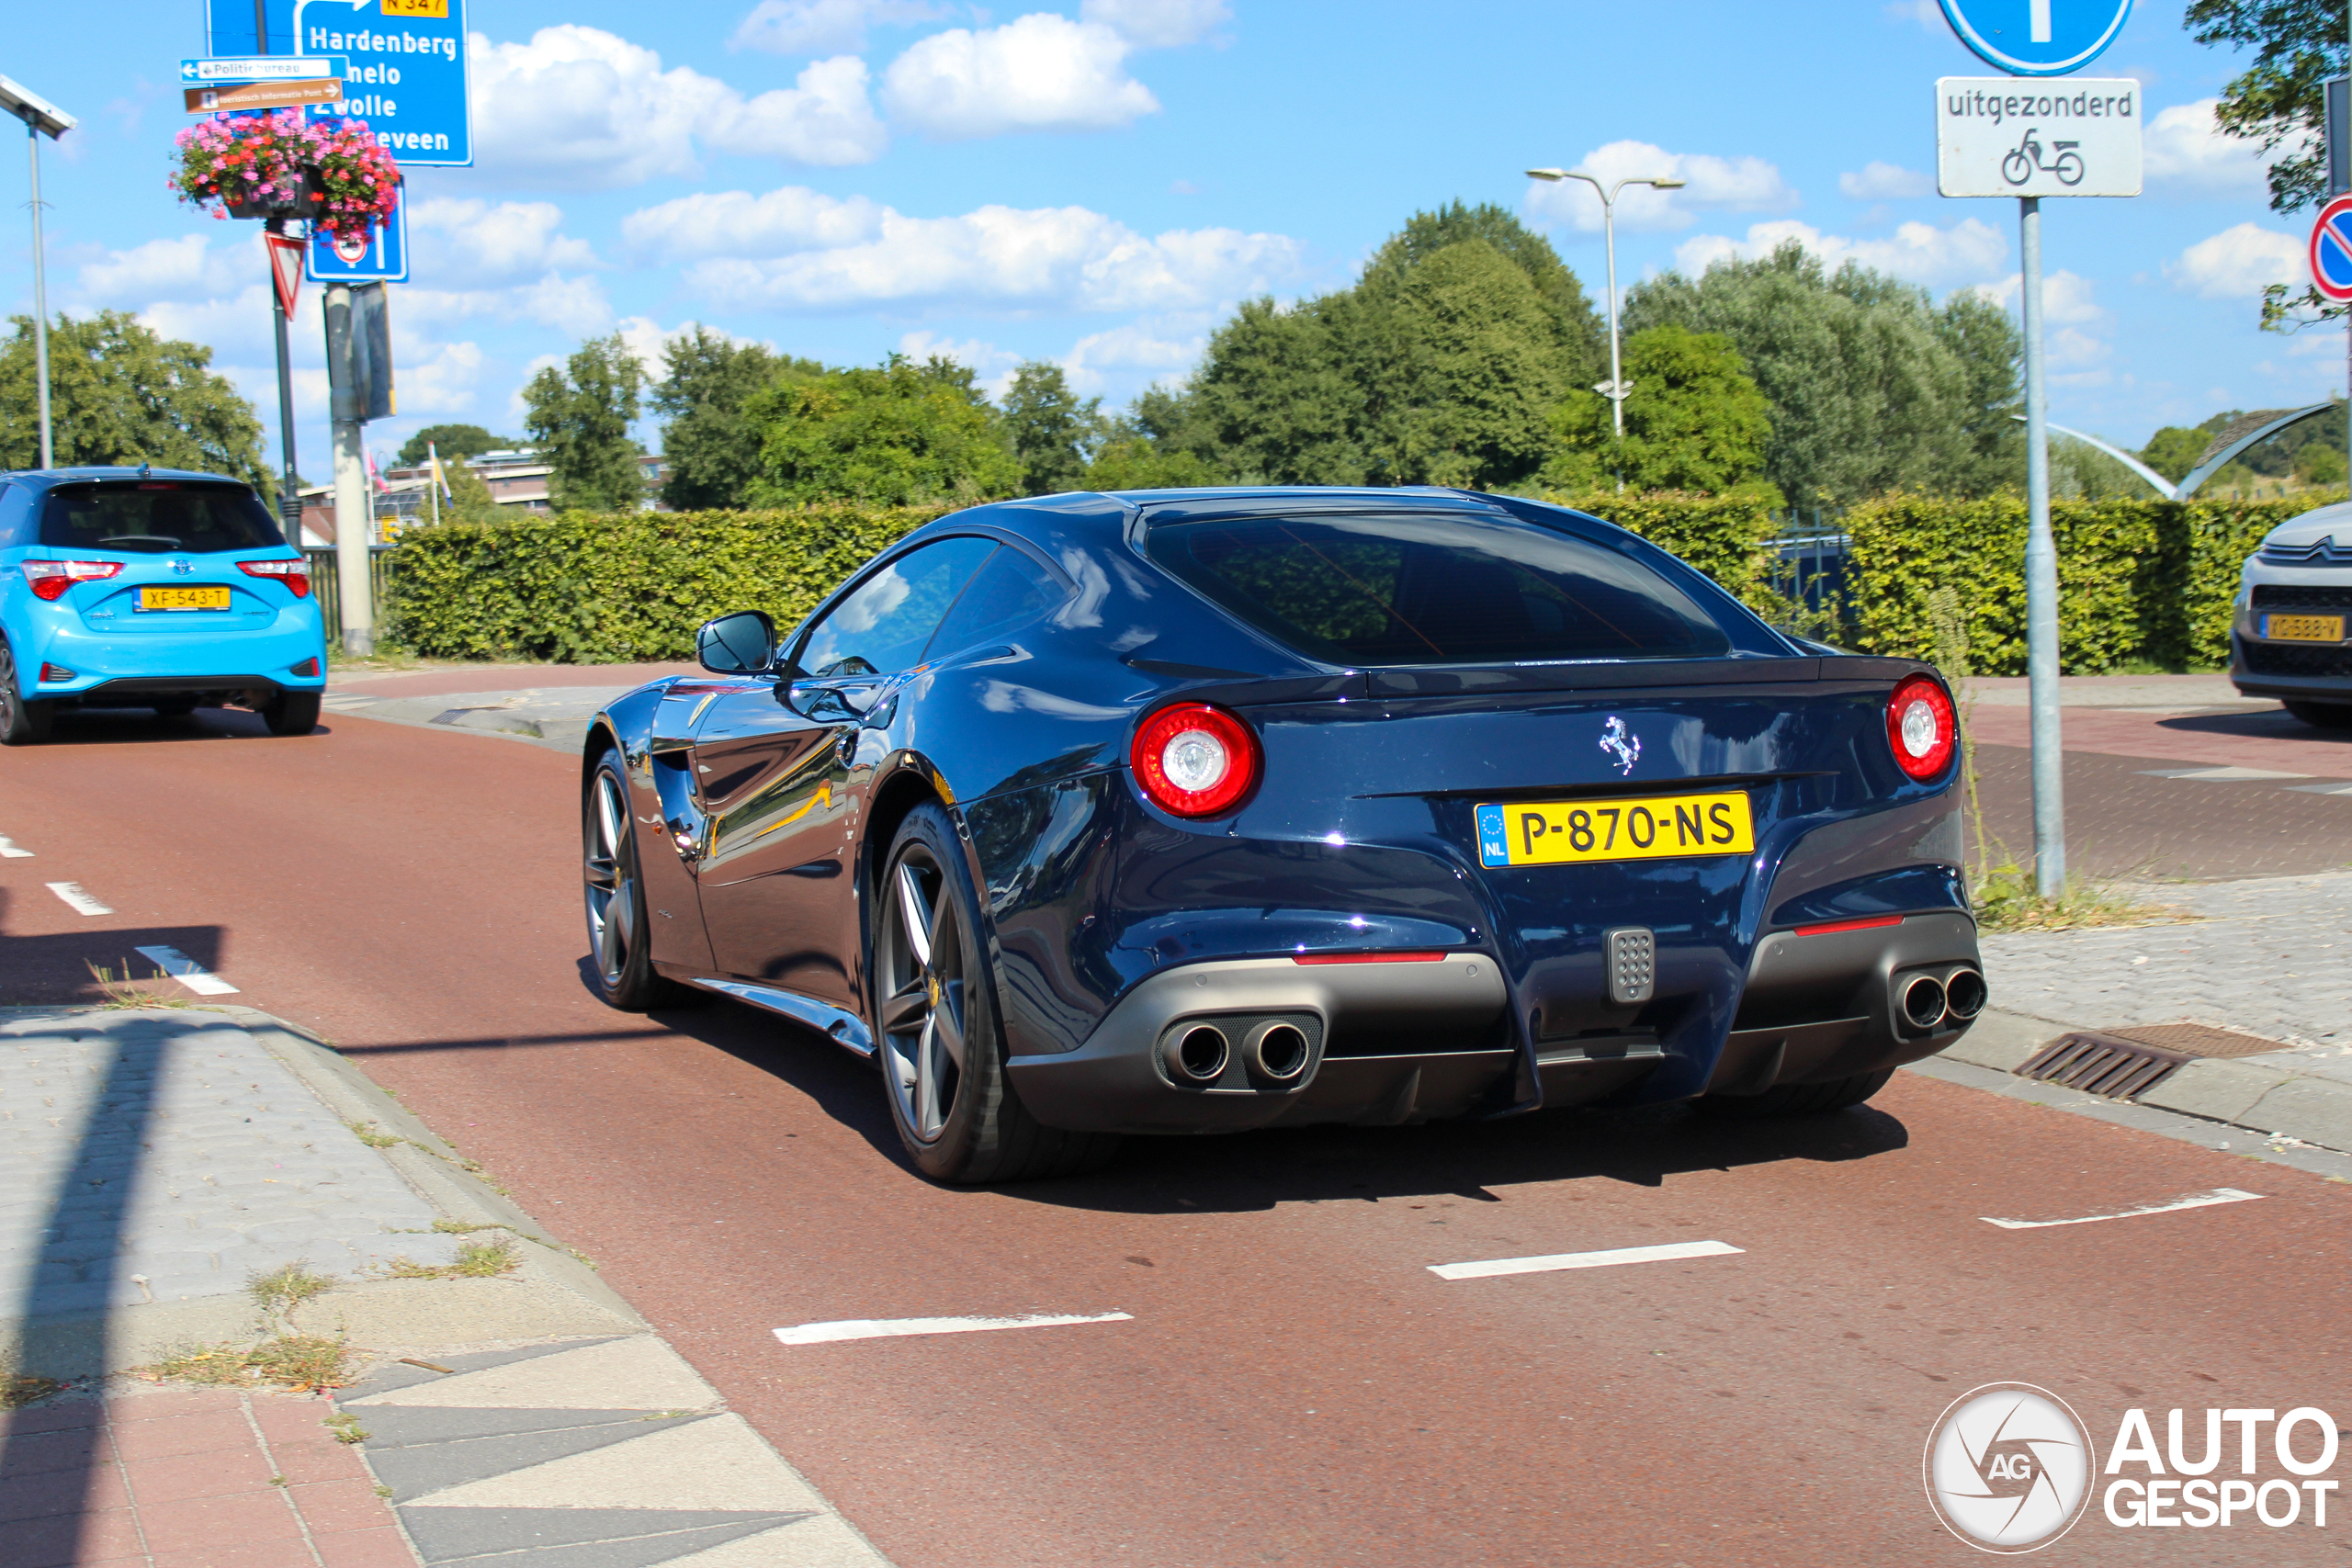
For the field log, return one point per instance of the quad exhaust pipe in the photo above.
(1197, 1056)
(1964, 994)
(1926, 1003)
(1274, 1052)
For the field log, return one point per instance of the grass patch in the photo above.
(475, 1261)
(281, 1289)
(375, 1137)
(20, 1389)
(2006, 899)
(303, 1363)
(345, 1427)
(123, 993)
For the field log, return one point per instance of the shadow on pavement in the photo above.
(2269, 724)
(139, 726)
(53, 970)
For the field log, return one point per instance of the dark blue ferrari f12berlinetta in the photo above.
(1191, 811)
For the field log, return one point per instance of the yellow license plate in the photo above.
(2304, 628)
(1655, 828)
(183, 598)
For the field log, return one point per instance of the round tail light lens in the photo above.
(1193, 760)
(1920, 727)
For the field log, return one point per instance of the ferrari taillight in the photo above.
(295, 574)
(50, 579)
(1920, 727)
(1193, 760)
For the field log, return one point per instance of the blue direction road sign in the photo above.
(2332, 249)
(378, 256)
(406, 75)
(2037, 38)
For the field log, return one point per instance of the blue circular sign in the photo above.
(2037, 38)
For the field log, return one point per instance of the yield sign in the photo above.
(286, 253)
(2332, 249)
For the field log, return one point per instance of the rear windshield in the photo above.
(1408, 590)
(157, 515)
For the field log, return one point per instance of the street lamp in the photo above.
(1614, 388)
(41, 117)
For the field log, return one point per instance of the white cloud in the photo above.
(1154, 346)
(2186, 151)
(993, 365)
(2238, 262)
(1919, 252)
(1156, 23)
(478, 243)
(794, 249)
(1885, 182)
(2066, 297)
(1926, 13)
(1744, 184)
(438, 381)
(188, 267)
(1041, 72)
(580, 109)
(824, 27)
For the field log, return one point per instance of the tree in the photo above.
(1130, 458)
(894, 435)
(2174, 450)
(1577, 328)
(579, 419)
(119, 393)
(710, 446)
(450, 441)
(1871, 388)
(1052, 430)
(1694, 421)
(469, 500)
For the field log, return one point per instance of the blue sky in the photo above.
(1098, 183)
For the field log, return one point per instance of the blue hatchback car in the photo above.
(151, 588)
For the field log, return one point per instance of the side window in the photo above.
(1009, 591)
(881, 628)
(15, 517)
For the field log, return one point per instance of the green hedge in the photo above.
(580, 588)
(2139, 581)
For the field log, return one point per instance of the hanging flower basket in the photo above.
(280, 164)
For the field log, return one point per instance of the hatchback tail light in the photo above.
(295, 574)
(1920, 727)
(1193, 760)
(50, 579)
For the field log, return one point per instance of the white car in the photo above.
(2294, 606)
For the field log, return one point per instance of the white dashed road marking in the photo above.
(2194, 1201)
(1665, 1253)
(80, 903)
(188, 971)
(2219, 775)
(892, 1327)
(8, 850)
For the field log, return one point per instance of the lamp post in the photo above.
(1614, 388)
(41, 117)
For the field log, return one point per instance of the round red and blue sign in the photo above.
(2332, 249)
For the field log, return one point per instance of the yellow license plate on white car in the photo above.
(183, 598)
(2304, 628)
(1662, 826)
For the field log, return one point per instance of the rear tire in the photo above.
(2323, 716)
(22, 721)
(1797, 1098)
(618, 953)
(291, 713)
(937, 1037)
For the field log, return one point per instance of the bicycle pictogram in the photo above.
(2024, 161)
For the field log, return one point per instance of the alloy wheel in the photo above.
(610, 874)
(919, 960)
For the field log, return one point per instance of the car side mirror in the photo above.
(739, 644)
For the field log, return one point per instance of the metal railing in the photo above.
(1808, 573)
(328, 587)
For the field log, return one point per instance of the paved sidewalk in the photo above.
(152, 1161)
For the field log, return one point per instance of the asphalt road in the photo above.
(1293, 1385)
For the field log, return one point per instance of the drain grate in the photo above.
(2123, 1063)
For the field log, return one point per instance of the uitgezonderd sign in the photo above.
(2005, 136)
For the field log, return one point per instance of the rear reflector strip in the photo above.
(1367, 957)
(1870, 925)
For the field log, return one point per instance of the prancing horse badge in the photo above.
(1627, 747)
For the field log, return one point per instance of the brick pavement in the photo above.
(2272, 957)
(189, 1478)
(172, 1146)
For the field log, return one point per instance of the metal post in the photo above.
(1616, 374)
(2040, 577)
(354, 530)
(41, 301)
(289, 500)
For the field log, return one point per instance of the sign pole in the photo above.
(2041, 575)
(41, 302)
(354, 508)
(290, 498)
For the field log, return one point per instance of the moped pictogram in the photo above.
(2024, 161)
